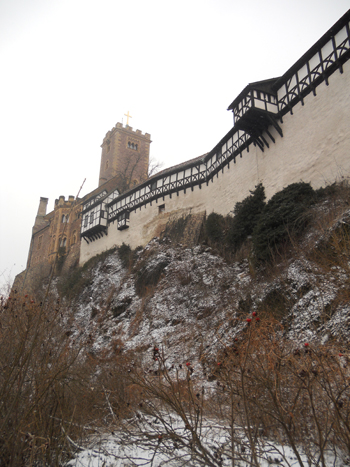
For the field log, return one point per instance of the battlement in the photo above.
(127, 128)
(61, 201)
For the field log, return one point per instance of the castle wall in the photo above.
(315, 148)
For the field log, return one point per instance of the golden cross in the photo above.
(127, 116)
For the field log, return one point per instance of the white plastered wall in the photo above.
(315, 148)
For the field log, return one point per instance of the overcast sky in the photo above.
(70, 69)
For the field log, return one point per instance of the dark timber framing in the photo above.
(258, 108)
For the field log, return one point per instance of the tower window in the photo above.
(108, 148)
(107, 164)
(132, 145)
(161, 208)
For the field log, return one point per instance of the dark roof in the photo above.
(175, 168)
(273, 84)
(312, 51)
(265, 86)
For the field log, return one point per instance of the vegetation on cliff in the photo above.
(234, 351)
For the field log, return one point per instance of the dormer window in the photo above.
(123, 220)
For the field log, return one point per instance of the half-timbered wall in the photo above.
(310, 142)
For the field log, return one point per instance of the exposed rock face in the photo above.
(191, 303)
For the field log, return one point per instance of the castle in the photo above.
(286, 129)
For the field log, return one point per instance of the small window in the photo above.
(86, 220)
(107, 164)
(92, 217)
(108, 148)
(161, 208)
(63, 219)
(133, 146)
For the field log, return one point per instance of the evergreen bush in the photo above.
(246, 216)
(284, 216)
(214, 227)
(125, 254)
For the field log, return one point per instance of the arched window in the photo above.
(63, 219)
(74, 238)
(64, 242)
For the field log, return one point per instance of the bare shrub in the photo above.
(40, 379)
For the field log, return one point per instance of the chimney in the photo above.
(39, 220)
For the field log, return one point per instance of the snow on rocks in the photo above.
(197, 302)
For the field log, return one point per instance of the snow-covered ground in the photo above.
(132, 448)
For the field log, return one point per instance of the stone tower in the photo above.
(125, 154)
(40, 221)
